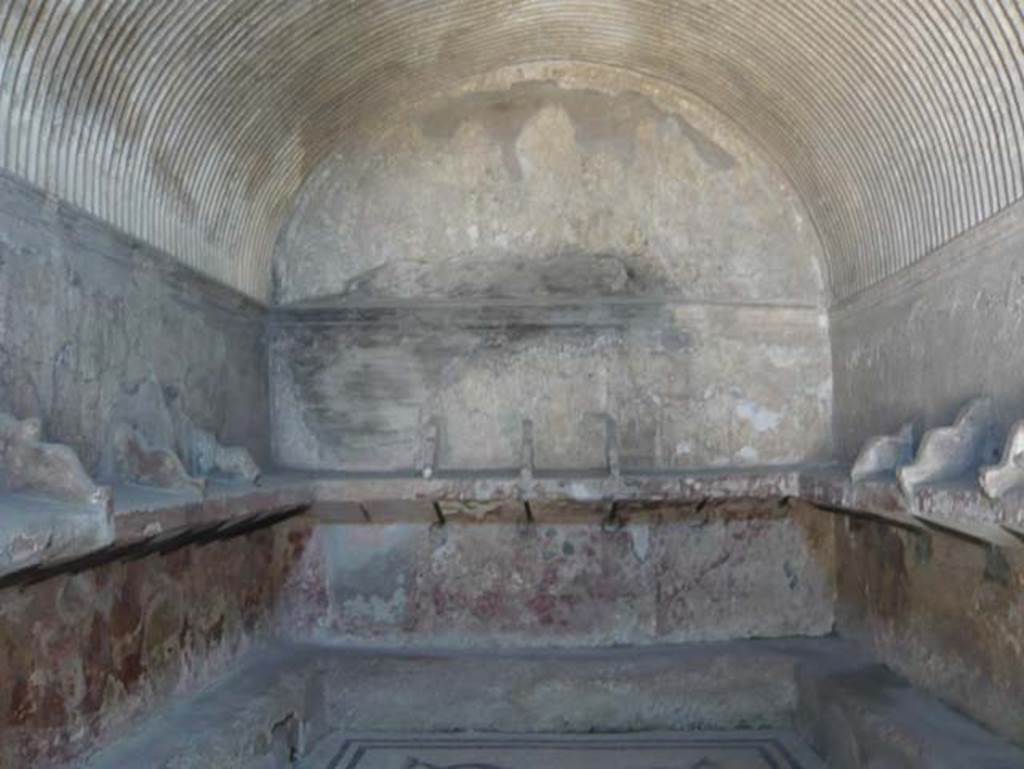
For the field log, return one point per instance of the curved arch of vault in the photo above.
(191, 124)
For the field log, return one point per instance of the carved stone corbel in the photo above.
(884, 454)
(951, 452)
(996, 480)
(51, 469)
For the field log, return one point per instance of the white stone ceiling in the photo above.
(191, 124)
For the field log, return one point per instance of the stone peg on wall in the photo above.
(137, 461)
(52, 469)
(430, 448)
(947, 453)
(884, 454)
(1000, 478)
(611, 447)
(526, 453)
(200, 451)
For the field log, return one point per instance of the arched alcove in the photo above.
(573, 246)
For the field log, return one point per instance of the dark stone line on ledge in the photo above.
(161, 544)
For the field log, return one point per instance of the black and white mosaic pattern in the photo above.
(702, 750)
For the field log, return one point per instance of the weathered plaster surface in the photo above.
(566, 244)
(919, 346)
(685, 386)
(83, 656)
(550, 181)
(672, 573)
(944, 612)
(85, 310)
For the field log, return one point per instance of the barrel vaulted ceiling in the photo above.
(191, 124)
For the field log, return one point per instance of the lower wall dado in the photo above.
(85, 655)
(657, 573)
(944, 612)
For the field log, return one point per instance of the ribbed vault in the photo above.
(191, 124)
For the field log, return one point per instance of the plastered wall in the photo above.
(567, 245)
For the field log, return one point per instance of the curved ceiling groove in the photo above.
(192, 125)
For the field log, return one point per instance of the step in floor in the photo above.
(703, 750)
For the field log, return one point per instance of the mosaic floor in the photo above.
(704, 750)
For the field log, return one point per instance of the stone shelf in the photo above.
(39, 534)
(34, 528)
(957, 506)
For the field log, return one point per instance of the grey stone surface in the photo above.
(85, 309)
(706, 686)
(869, 717)
(34, 529)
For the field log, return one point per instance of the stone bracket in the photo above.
(884, 454)
(152, 441)
(948, 453)
(51, 469)
(996, 480)
(138, 462)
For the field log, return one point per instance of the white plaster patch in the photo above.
(684, 447)
(582, 492)
(748, 454)
(760, 418)
(375, 608)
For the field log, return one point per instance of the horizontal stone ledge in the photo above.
(40, 537)
(38, 533)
